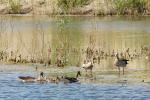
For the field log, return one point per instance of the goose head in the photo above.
(42, 74)
(78, 74)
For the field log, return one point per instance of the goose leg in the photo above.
(119, 70)
(91, 73)
(86, 73)
(123, 70)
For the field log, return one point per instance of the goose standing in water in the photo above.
(88, 66)
(121, 62)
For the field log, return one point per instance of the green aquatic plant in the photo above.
(66, 43)
(15, 6)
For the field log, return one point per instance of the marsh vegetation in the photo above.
(59, 42)
(76, 7)
(59, 46)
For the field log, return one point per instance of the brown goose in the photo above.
(27, 78)
(32, 79)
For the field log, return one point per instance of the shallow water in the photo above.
(12, 89)
(25, 36)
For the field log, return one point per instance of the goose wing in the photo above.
(122, 62)
(26, 77)
(71, 79)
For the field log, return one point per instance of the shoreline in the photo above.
(75, 8)
(44, 15)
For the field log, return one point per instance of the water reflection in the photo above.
(69, 37)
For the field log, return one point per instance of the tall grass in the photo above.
(131, 6)
(67, 5)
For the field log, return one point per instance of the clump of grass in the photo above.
(3, 1)
(15, 6)
(67, 5)
(131, 6)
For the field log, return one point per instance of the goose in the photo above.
(53, 79)
(121, 62)
(87, 66)
(41, 78)
(33, 79)
(71, 79)
(27, 78)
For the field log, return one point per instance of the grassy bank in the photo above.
(132, 7)
(75, 7)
